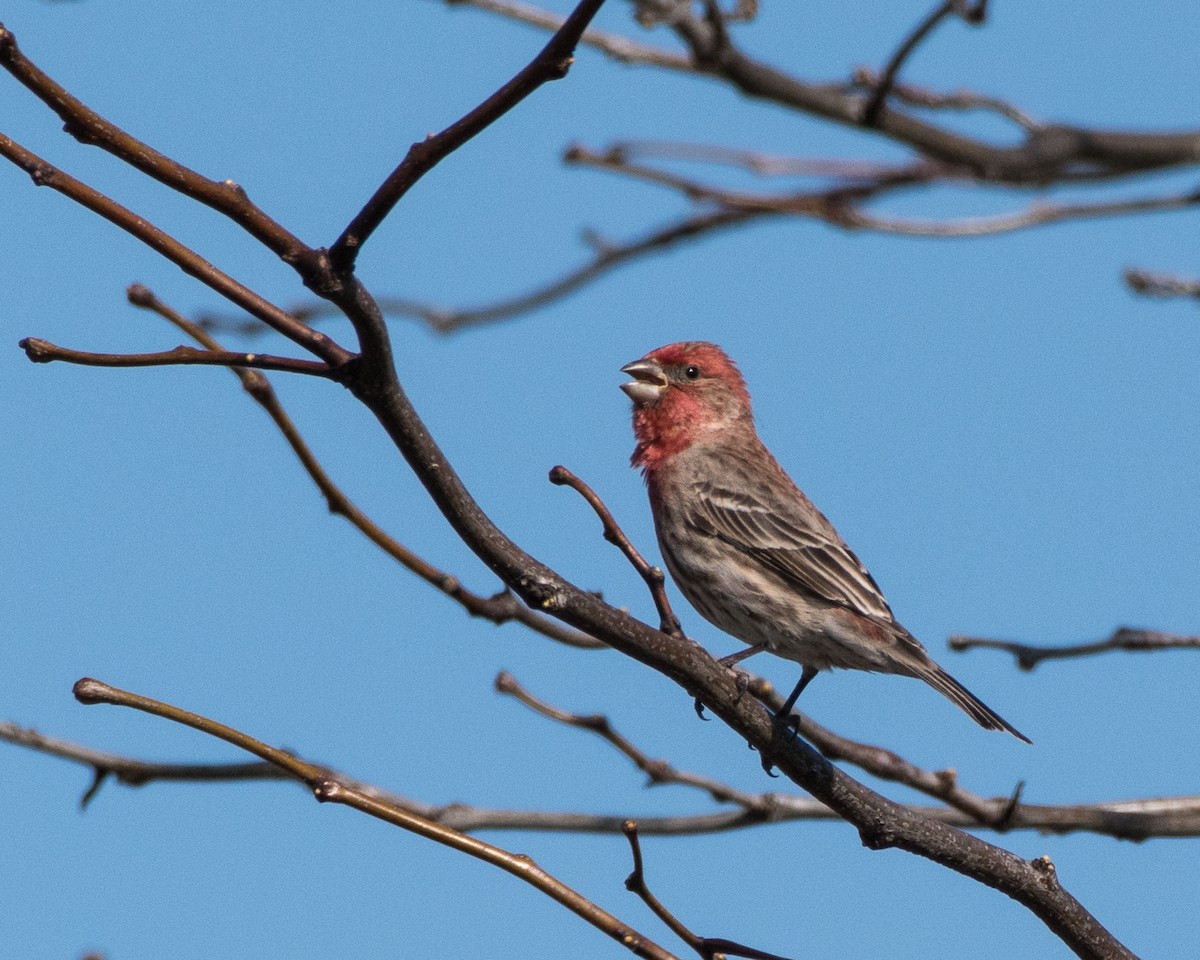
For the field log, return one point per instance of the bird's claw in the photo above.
(699, 709)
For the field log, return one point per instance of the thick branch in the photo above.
(1124, 638)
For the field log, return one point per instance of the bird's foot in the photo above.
(699, 709)
(789, 724)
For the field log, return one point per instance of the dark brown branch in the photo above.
(706, 947)
(42, 351)
(1124, 638)
(973, 14)
(551, 63)
(47, 175)
(499, 609)
(88, 127)
(328, 788)
(653, 576)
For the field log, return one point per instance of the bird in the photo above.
(744, 544)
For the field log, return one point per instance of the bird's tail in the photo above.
(978, 711)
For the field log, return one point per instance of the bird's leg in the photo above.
(785, 712)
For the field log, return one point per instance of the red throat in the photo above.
(684, 412)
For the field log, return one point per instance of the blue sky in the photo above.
(1003, 433)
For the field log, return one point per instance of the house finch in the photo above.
(746, 546)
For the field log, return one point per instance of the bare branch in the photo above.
(88, 127)
(1161, 284)
(657, 771)
(614, 45)
(133, 773)
(668, 622)
(915, 96)
(499, 608)
(841, 205)
(552, 63)
(972, 13)
(706, 947)
(607, 256)
(1135, 820)
(47, 175)
(42, 351)
(1124, 638)
(329, 789)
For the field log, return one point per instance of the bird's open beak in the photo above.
(648, 381)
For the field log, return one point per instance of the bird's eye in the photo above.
(692, 372)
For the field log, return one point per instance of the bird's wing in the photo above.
(798, 544)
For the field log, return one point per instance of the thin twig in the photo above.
(499, 608)
(657, 771)
(328, 788)
(655, 581)
(620, 48)
(1161, 284)
(916, 96)
(43, 351)
(47, 175)
(973, 14)
(706, 947)
(607, 256)
(131, 772)
(1029, 656)
(1135, 820)
(840, 206)
(551, 63)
